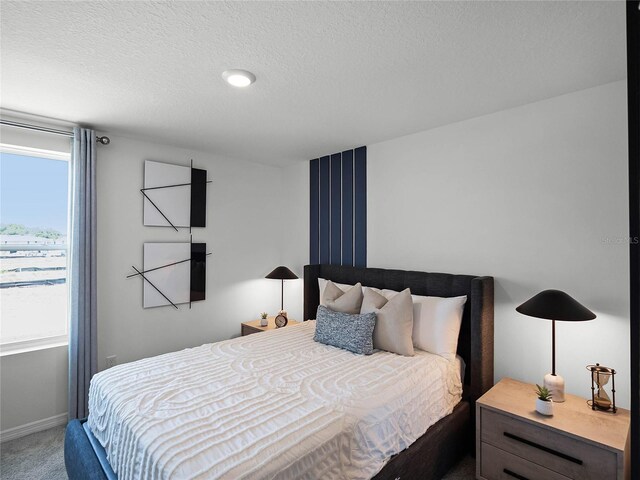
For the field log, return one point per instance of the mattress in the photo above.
(265, 406)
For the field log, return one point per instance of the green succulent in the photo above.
(543, 393)
(264, 315)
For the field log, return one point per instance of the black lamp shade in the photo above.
(282, 273)
(555, 305)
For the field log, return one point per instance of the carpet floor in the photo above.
(34, 457)
(39, 456)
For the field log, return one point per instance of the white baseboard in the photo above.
(32, 427)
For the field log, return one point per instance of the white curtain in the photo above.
(82, 271)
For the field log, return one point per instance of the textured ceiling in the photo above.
(330, 75)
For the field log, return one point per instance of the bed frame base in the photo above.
(80, 459)
(432, 455)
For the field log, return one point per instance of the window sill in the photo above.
(15, 348)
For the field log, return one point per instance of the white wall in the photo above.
(244, 232)
(295, 233)
(33, 386)
(530, 196)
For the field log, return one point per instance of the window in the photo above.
(33, 248)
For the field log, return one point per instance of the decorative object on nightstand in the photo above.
(254, 326)
(600, 399)
(282, 273)
(544, 403)
(513, 441)
(263, 319)
(555, 305)
(281, 319)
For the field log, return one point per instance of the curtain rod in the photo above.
(64, 133)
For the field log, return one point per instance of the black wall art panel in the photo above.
(198, 270)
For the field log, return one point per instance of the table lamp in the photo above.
(555, 305)
(282, 273)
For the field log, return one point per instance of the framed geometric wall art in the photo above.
(173, 273)
(174, 195)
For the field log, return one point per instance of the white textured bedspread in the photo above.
(269, 405)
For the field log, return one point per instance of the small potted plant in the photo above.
(263, 319)
(544, 403)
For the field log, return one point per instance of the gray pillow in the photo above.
(394, 322)
(339, 300)
(343, 330)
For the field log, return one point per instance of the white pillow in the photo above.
(322, 284)
(436, 322)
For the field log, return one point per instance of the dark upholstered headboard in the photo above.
(475, 343)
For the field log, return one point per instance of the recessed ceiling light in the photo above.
(239, 78)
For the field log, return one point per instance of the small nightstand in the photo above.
(248, 328)
(513, 441)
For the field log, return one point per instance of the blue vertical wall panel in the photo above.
(347, 208)
(336, 210)
(360, 207)
(314, 212)
(325, 205)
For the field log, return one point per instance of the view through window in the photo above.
(33, 249)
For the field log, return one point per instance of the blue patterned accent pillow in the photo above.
(344, 330)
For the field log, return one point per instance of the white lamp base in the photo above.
(555, 385)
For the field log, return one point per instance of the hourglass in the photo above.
(600, 377)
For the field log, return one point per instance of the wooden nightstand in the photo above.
(513, 441)
(248, 328)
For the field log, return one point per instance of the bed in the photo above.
(323, 415)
